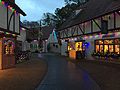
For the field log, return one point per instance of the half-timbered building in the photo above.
(9, 29)
(96, 24)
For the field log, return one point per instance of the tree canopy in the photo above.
(60, 15)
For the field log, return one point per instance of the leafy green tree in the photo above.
(48, 19)
(75, 1)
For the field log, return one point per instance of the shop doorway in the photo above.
(76, 49)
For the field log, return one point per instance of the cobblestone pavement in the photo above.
(64, 75)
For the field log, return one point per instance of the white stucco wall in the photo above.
(22, 36)
(3, 19)
(64, 48)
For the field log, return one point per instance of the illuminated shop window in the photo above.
(100, 42)
(78, 46)
(108, 42)
(117, 41)
(117, 49)
(101, 48)
(106, 48)
(108, 45)
(111, 48)
(97, 48)
(71, 46)
(8, 47)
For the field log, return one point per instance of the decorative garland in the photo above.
(9, 7)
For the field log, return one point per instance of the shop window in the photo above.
(109, 45)
(111, 49)
(78, 46)
(8, 47)
(101, 48)
(97, 42)
(100, 42)
(97, 48)
(117, 49)
(108, 41)
(117, 41)
(106, 48)
(71, 46)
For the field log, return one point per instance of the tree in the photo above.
(75, 1)
(48, 19)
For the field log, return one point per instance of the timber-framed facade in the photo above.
(9, 29)
(95, 22)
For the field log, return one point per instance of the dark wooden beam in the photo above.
(97, 24)
(91, 26)
(72, 31)
(81, 29)
(77, 30)
(66, 32)
(114, 20)
(14, 23)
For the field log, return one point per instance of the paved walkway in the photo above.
(63, 75)
(25, 76)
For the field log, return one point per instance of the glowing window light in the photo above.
(7, 33)
(91, 36)
(96, 36)
(86, 37)
(13, 34)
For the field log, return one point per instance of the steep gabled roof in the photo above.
(47, 30)
(16, 7)
(91, 10)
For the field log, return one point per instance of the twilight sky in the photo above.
(35, 8)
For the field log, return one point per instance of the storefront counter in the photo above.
(72, 54)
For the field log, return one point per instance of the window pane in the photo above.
(100, 42)
(111, 48)
(105, 48)
(101, 48)
(108, 41)
(117, 41)
(97, 48)
(117, 49)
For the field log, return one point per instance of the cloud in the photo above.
(35, 8)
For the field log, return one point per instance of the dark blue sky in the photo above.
(35, 8)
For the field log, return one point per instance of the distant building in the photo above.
(22, 43)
